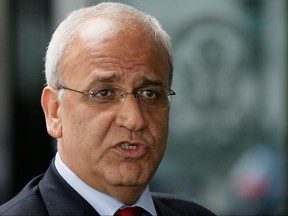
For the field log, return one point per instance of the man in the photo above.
(108, 72)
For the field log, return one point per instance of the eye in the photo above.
(101, 93)
(150, 93)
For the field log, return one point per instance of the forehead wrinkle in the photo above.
(115, 78)
(146, 80)
(106, 78)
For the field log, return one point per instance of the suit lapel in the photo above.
(60, 198)
(162, 209)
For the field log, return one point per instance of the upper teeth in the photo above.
(127, 146)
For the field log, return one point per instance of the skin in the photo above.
(88, 138)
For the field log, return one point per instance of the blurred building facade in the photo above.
(228, 144)
(5, 107)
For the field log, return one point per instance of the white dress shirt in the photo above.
(102, 203)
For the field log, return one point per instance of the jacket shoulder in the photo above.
(169, 204)
(28, 200)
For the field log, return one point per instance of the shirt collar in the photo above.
(102, 203)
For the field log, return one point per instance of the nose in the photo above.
(130, 114)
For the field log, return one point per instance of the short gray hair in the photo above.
(68, 27)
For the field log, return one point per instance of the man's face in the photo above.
(93, 141)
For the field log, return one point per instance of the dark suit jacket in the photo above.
(49, 194)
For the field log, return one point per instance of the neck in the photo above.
(128, 195)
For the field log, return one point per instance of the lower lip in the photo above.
(132, 153)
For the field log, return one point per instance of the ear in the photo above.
(51, 105)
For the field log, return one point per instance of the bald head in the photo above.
(114, 17)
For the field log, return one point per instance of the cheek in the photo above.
(159, 131)
(85, 126)
(83, 137)
(160, 124)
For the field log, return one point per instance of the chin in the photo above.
(130, 180)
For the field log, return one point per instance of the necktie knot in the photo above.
(131, 211)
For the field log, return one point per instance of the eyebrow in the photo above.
(152, 82)
(111, 78)
(105, 79)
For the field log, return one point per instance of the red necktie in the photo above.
(131, 211)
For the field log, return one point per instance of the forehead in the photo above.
(108, 31)
(96, 28)
(114, 77)
(103, 44)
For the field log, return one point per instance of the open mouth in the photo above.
(131, 150)
(126, 146)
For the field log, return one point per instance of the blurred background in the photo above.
(228, 126)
